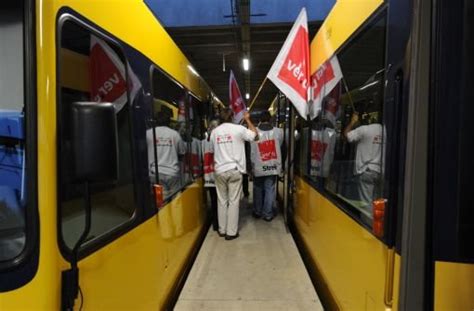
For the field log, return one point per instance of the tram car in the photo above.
(88, 219)
(407, 71)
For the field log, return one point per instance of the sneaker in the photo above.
(268, 219)
(221, 234)
(255, 215)
(231, 237)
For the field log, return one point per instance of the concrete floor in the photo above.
(260, 270)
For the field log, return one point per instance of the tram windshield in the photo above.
(12, 131)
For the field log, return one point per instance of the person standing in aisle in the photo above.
(368, 160)
(229, 164)
(266, 166)
(209, 178)
(165, 160)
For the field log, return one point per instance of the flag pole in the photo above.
(309, 101)
(258, 92)
(348, 94)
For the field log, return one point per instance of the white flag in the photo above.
(290, 71)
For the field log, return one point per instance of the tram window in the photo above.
(196, 130)
(93, 69)
(168, 136)
(301, 147)
(347, 139)
(13, 199)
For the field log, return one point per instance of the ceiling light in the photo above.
(247, 95)
(245, 63)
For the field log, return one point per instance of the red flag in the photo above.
(108, 75)
(323, 82)
(236, 101)
(290, 71)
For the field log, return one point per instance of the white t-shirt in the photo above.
(369, 140)
(332, 117)
(229, 150)
(168, 146)
(266, 153)
(322, 151)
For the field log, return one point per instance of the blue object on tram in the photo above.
(12, 160)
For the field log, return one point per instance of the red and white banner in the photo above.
(290, 71)
(208, 163)
(236, 102)
(267, 150)
(108, 75)
(331, 104)
(182, 109)
(323, 82)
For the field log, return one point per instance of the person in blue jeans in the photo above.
(266, 157)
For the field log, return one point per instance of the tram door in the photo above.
(285, 115)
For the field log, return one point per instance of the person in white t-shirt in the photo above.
(266, 166)
(323, 142)
(368, 161)
(165, 162)
(209, 178)
(229, 164)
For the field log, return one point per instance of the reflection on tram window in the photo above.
(346, 141)
(301, 147)
(167, 135)
(195, 128)
(13, 197)
(92, 69)
(322, 144)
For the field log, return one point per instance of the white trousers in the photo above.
(229, 192)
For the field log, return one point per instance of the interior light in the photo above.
(193, 70)
(245, 63)
(247, 95)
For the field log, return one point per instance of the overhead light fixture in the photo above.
(247, 95)
(193, 70)
(245, 63)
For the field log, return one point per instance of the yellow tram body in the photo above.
(353, 269)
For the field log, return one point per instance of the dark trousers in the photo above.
(264, 195)
(213, 194)
(245, 184)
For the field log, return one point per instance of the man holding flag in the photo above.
(229, 160)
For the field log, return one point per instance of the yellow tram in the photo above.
(401, 63)
(81, 225)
